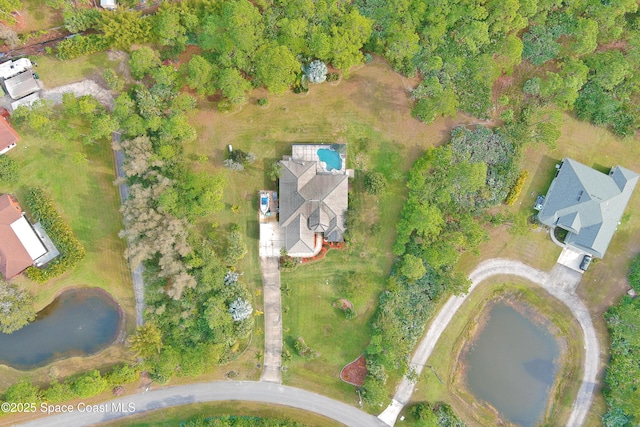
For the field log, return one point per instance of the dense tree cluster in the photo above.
(461, 48)
(449, 187)
(623, 370)
(244, 44)
(195, 317)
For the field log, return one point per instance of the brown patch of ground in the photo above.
(617, 45)
(355, 372)
(343, 304)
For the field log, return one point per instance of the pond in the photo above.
(513, 365)
(78, 322)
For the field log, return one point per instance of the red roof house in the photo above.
(20, 246)
(8, 136)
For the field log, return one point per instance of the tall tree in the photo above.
(276, 67)
(16, 307)
(234, 33)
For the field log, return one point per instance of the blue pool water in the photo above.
(331, 158)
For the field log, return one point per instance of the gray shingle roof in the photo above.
(588, 204)
(311, 202)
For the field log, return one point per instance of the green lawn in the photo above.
(174, 416)
(54, 72)
(37, 15)
(85, 196)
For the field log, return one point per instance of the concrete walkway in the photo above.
(561, 282)
(272, 320)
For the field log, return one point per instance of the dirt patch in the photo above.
(355, 372)
(85, 87)
(343, 304)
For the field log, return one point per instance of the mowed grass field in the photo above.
(36, 15)
(85, 196)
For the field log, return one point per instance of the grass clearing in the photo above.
(459, 331)
(36, 15)
(174, 416)
(54, 72)
(84, 195)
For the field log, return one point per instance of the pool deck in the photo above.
(309, 153)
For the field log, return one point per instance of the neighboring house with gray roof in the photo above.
(588, 204)
(313, 198)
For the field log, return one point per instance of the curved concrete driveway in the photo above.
(560, 282)
(217, 391)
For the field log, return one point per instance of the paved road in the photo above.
(214, 392)
(561, 282)
(136, 273)
(272, 320)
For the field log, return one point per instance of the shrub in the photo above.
(89, 384)
(122, 374)
(263, 102)
(81, 45)
(316, 71)
(515, 190)
(375, 183)
(304, 350)
(634, 274)
(333, 77)
(350, 313)
(58, 392)
(114, 82)
(8, 169)
(71, 250)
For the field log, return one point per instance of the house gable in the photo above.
(311, 201)
(588, 204)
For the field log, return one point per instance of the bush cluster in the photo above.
(85, 385)
(71, 250)
(8, 170)
(515, 190)
(81, 45)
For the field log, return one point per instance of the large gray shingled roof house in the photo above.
(588, 204)
(313, 197)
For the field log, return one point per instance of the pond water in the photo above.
(77, 323)
(512, 365)
(331, 158)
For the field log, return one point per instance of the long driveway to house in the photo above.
(272, 320)
(216, 391)
(561, 282)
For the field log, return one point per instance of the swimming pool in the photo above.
(331, 158)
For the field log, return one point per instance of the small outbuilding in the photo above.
(21, 85)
